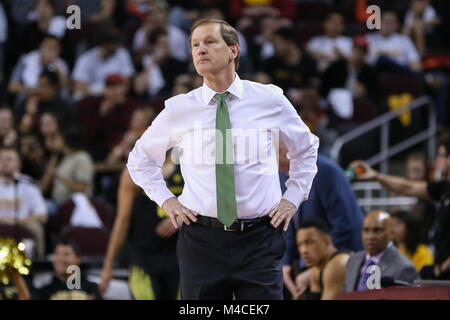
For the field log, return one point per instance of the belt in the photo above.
(237, 225)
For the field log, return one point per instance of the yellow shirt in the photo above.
(421, 258)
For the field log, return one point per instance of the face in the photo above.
(44, 10)
(376, 235)
(109, 49)
(63, 257)
(48, 124)
(334, 25)
(389, 24)
(50, 50)
(419, 6)
(312, 245)
(280, 45)
(115, 91)
(46, 89)
(157, 17)
(162, 46)
(210, 53)
(358, 54)
(9, 162)
(415, 170)
(6, 121)
(398, 230)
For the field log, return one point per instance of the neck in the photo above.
(323, 263)
(221, 81)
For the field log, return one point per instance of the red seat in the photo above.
(312, 10)
(104, 211)
(16, 232)
(398, 84)
(93, 242)
(307, 30)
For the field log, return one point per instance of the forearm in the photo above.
(403, 186)
(39, 218)
(72, 185)
(118, 237)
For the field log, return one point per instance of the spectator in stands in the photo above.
(159, 68)
(408, 240)
(157, 19)
(378, 250)
(8, 134)
(416, 167)
(44, 21)
(140, 121)
(391, 51)
(352, 73)
(327, 264)
(290, 67)
(33, 146)
(67, 254)
(47, 97)
(93, 66)
(437, 191)
(106, 118)
(74, 172)
(250, 11)
(21, 201)
(153, 272)
(338, 207)
(331, 46)
(420, 22)
(25, 77)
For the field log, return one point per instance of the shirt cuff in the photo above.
(161, 196)
(291, 195)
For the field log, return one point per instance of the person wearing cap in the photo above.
(92, 67)
(231, 213)
(106, 118)
(352, 73)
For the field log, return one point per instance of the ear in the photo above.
(234, 51)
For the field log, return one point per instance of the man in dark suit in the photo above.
(378, 250)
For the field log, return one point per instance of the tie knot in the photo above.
(222, 96)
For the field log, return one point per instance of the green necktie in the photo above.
(225, 187)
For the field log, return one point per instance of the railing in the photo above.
(371, 196)
(382, 122)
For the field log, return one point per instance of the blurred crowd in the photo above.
(74, 102)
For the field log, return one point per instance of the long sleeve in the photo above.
(302, 148)
(147, 158)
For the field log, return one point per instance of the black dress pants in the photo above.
(218, 264)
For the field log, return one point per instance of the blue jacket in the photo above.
(332, 199)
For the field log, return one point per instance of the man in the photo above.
(290, 67)
(67, 254)
(25, 77)
(20, 200)
(378, 250)
(230, 249)
(436, 191)
(390, 50)
(92, 67)
(106, 118)
(331, 46)
(327, 264)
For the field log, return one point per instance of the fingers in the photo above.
(286, 223)
(271, 213)
(173, 220)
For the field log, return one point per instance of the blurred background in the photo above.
(74, 102)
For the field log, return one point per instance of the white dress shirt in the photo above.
(258, 115)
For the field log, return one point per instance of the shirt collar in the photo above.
(236, 89)
(376, 259)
